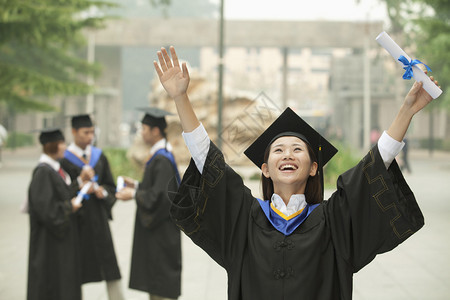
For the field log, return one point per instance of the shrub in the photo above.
(345, 159)
(120, 165)
(438, 144)
(17, 139)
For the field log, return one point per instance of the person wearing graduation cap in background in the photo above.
(87, 164)
(156, 255)
(292, 244)
(53, 266)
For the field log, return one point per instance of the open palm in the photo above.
(174, 79)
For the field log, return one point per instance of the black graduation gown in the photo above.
(156, 258)
(98, 258)
(372, 211)
(53, 267)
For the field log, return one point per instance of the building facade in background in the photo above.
(308, 66)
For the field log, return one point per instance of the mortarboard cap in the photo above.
(80, 121)
(154, 117)
(50, 135)
(290, 124)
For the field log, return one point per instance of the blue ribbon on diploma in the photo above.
(87, 196)
(408, 66)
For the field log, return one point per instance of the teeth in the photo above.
(288, 167)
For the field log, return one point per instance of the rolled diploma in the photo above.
(395, 51)
(120, 183)
(83, 192)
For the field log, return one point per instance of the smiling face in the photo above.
(289, 165)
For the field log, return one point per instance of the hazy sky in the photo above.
(305, 10)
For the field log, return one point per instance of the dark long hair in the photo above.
(313, 190)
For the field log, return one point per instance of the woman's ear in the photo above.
(313, 170)
(265, 170)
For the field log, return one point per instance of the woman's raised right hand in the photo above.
(174, 79)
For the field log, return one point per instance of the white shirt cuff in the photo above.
(389, 148)
(197, 142)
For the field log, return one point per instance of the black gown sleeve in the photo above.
(213, 208)
(372, 211)
(151, 196)
(107, 182)
(46, 207)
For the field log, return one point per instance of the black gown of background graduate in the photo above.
(156, 258)
(372, 211)
(54, 265)
(98, 258)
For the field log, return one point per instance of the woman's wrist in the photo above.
(181, 97)
(400, 125)
(406, 112)
(186, 113)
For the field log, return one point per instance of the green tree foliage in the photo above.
(427, 23)
(433, 36)
(398, 12)
(38, 56)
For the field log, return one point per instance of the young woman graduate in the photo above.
(292, 244)
(54, 266)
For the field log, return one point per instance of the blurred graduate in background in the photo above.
(156, 259)
(54, 262)
(87, 164)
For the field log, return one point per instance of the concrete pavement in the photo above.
(417, 269)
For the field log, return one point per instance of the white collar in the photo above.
(296, 203)
(162, 143)
(49, 161)
(78, 151)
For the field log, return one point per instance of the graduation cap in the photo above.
(80, 121)
(290, 124)
(155, 117)
(50, 135)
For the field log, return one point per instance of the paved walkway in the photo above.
(417, 269)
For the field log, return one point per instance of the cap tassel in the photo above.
(320, 167)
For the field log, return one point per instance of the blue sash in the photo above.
(168, 155)
(95, 156)
(283, 225)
